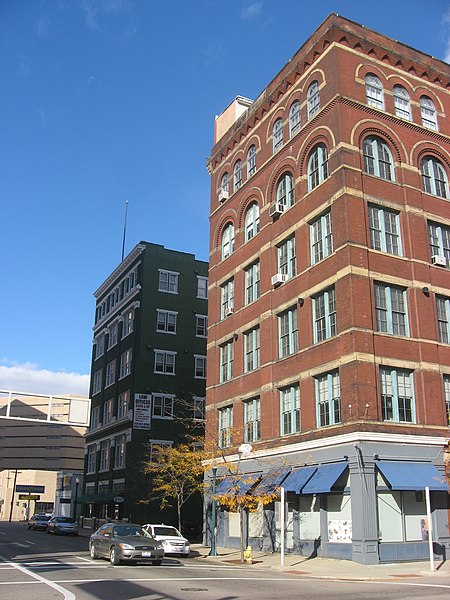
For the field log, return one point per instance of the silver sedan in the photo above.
(125, 542)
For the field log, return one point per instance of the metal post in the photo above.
(282, 528)
(77, 483)
(213, 551)
(430, 528)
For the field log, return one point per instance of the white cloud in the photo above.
(42, 26)
(27, 377)
(252, 10)
(90, 14)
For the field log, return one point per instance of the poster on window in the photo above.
(142, 411)
(340, 531)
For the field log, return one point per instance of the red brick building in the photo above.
(329, 299)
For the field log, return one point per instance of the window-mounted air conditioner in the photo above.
(229, 311)
(223, 195)
(278, 279)
(438, 259)
(275, 209)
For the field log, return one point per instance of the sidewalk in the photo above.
(323, 568)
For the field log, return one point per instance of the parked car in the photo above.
(38, 521)
(62, 525)
(171, 539)
(125, 542)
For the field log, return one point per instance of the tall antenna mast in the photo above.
(124, 228)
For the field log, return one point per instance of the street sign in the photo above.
(118, 499)
(29, 497)
(65, 500)
(30, 489)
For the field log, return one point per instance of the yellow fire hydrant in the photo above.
(248, 555)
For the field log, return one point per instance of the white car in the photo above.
(171, 539)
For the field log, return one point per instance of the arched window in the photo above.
(251, 161)
(317, 166)
(285, 190)
(428, 112)
(224, 182)
(402, 103)
(434, 177)
(294, 118)
(374, 91)
(228, 241)
(251, 221)
(237, 175)
(378, 158)
(277, 135)
(313, 99)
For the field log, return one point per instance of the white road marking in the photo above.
(84, 558)
(67, 595)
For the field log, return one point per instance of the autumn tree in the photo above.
(177, 474)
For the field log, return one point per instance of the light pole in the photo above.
(213, 551)
(77, 483)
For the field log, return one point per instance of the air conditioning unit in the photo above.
(278, 279)
(437, 259)
(229, 311)
(276, 209)
(223, 195)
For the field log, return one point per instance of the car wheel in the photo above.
(48, 531)
(92, 553)
(158, 562)
(29, 526)
(114, 557)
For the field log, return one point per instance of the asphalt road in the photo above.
(37, 566)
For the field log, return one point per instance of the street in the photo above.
(37, 566)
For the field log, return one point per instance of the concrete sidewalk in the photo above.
(324, 568)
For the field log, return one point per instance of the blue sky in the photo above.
(104, 101)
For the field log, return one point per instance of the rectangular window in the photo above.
(226, 361)
(107, 412)
(91, 458)
(168, 281)
(225, 426)
(199, 408)
(321, 238)
(251, 350)
(112, 338)
(288, 333)
(127, 323)
(328, 398)
(163, 405)
(95, 418)
(324, 315)
(443, 317)
(384, 225)
(155, 448)
(227, 299)
(119, 451)
(290, 409)
(201, 325)
(202, 287)
(165, 362)
(439, 237)
(99, 346)
(166, 321)
(97, 382)
(252, 420)
(125, 363)
(286, 258)
(199, 367)
(110, 373)
(104, 455)
(397, 395)
(123, 404)
(390, 309)
(252, 283)
(447, 396)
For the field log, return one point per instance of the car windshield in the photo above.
(167, 531)
(42, 517)
(64, 520)
(129, 530)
